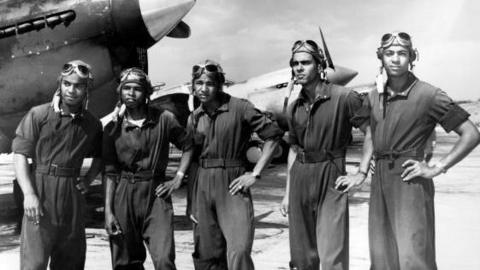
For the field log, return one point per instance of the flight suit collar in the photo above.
(74, 116)
(224, 107)
(324, 88)
(150, 120)
(411, 81)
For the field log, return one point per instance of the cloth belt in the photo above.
(320, 156)
(393, 155)
(56, 170)
(220, 163)
(141, 176)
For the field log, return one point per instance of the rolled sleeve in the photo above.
(179, 135)
(265, 127)
(446, 112)
(354, 103)
(26, 134)
(361, 115)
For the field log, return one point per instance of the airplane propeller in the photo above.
(325, 49)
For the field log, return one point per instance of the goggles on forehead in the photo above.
(309, 45)
(207, 67)
(135, 73)
(401, 37)
(82, 70)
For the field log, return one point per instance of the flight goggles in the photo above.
(309, 45)
(209, 67)
(402, 38)
(82, 69)
(135, 75)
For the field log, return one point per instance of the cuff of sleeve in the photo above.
(22, 146)
(111, 169)
(455, 116)
(292, 140)
(361, 117)
(187, 145)
(271, 131)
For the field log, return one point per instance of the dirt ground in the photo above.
(457, 201)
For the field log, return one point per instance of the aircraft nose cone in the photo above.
(161, 16)
(341, 75)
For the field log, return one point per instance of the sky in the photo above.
(252, 37)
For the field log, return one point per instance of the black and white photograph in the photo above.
(239, 135)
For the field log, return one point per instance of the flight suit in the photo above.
(318, 213)
(401, 214)
(224, 233)
(57, 143)
(137, 157)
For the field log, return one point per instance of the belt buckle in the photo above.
(52, 169)
(131, 178)
(392, 157)
(302, 157)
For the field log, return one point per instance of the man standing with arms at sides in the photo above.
(319, 132)
(222, 127)
(53, 225)
(402, 116)
(138, 205)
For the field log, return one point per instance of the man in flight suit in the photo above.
(402, 114)
(53, 225)
(138, 206)
(222, 127)
(319, 132)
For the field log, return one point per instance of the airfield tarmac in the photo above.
(457, 202)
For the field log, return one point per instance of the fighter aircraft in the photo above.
(38, 36)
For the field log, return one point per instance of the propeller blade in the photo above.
(182, 30)
(325, 49)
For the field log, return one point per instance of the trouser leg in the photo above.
(235, 216)
(69, 252)
(36, 244)
(127, 249)
(301, 218)
(158, 234)
(332, 230)
(383, 247)
(414, 224)
(70, 247)
(210, 247)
